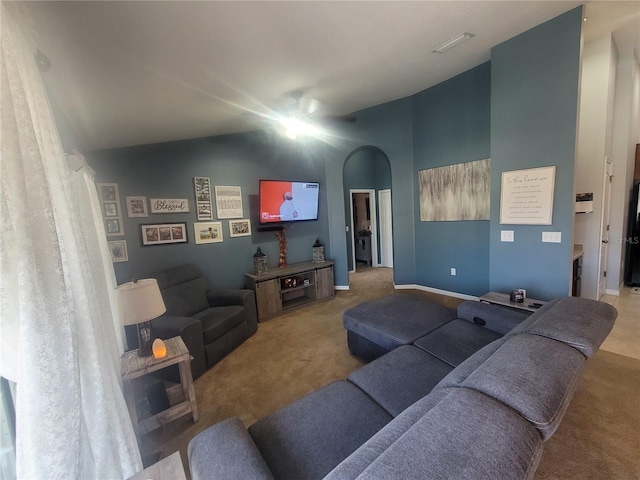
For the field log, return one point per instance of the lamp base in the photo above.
(145, 339)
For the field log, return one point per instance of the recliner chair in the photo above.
(211, 321)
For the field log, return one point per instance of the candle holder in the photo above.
(259, 262)
(318, 252)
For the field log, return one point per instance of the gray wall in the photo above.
(167, 171)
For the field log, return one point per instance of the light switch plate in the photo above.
(552, 237)
(506, 236)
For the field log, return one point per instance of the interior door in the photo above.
(386, 230)
(604, 225)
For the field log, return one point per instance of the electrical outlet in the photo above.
(506, 236)
(453, 271)
(552, 237)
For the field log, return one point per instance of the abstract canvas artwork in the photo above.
(455, 192)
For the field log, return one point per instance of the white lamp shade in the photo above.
(139, 301)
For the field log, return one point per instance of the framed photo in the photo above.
(202, 188)
(118, 249)
(240, 228)
(113, 226)
(163, 233)
(110, 209)
(137, 207)
(110, 206)
(208, 232)
(108, 192)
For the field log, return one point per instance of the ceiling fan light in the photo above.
(294, 128)
(454, 42)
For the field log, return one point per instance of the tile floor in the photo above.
(624, 339)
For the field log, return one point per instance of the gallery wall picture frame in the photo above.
(137, 206)
(208, 232)
(169, 205)
(240, 228)
(110, 206)
(118, 250)
(202, 189)
(229, 202)
(163, 233)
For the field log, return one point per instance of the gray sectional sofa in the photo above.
(466, 394)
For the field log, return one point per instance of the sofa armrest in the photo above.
(190, 329)
(246, 298)
(496, 318)
(226, 450)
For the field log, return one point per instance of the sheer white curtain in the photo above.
(59, 341)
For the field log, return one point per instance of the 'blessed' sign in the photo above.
(169, 205)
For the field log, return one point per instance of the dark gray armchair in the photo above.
(211, 321)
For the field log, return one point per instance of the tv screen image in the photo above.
(282, 201)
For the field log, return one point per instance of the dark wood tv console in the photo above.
(283, 289)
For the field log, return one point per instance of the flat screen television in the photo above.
(282, 201)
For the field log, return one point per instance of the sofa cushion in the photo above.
(579, 322)
(226, 450)
(396, 319)
(400, 378)
(494, 317)
(353, 465)
(308, 438)
(463, 436)
(459, 374)
(534, 375)
(456, 341)
(526, 324)
(217, 321)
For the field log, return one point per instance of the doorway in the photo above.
(364, 228)
(366, 172)
(386, 229)
(604, 227)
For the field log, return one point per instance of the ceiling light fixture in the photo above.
(454, 42)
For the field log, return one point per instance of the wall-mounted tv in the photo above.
(282, 201)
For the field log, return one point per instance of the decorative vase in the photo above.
(282, 259)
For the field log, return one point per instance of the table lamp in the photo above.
(139, 302)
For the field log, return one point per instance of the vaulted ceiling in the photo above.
(136, 72)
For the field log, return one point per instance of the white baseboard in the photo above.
(615, 293)
(463, 296)
(341, 287)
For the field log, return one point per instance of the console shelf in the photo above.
(283, 289)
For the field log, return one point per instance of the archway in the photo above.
(366, 173)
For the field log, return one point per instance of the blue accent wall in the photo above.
(387, 127)
(520, 110)
(167, 170)
(451, 126)
(534, 104)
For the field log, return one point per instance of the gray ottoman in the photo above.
(378, 326)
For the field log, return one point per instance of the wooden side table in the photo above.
(169, 468)
(133, 366)
(504, 299)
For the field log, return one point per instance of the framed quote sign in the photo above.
(526, 196)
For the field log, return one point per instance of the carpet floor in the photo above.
(298, 352)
